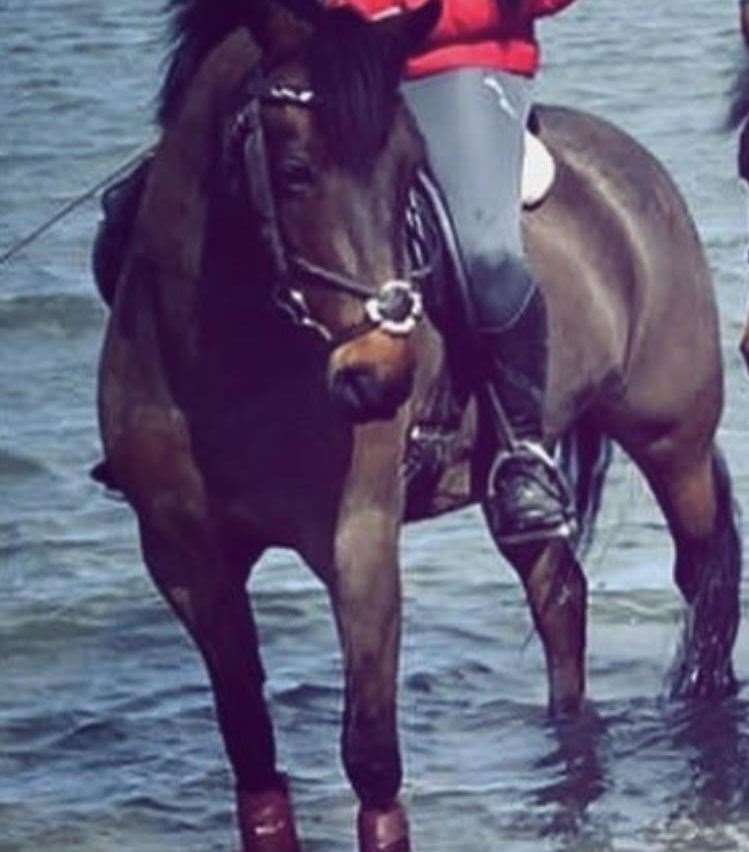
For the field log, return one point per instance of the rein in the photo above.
(395, 308)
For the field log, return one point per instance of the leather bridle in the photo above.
(395, 308)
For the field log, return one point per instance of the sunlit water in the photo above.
(107, 737)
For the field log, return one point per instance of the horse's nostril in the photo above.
(358, 389)
(365, 396)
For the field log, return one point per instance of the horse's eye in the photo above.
(296, 175)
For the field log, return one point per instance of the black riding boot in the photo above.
(528, 498)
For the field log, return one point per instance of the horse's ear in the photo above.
(280, 28)
(407, 30)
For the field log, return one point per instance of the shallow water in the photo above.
(107, 738)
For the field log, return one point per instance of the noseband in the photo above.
(395, 307)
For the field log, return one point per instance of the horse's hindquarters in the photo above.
(634, 332)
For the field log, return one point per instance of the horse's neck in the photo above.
(213, 278)
(227, 339)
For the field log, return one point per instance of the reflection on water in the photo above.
(714, 740)
(695, 758)
(579, 774)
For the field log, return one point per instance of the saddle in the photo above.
(539, 171)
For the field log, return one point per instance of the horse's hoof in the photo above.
(383, 830)
(266, 822)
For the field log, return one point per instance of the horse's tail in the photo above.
(738, 112)
(703, 666)
(738, 109)
(585, 455)
(720, 587)
(727, 546)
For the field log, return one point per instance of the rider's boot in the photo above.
(528, 498)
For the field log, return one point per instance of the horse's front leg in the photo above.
(366, 596)
(207, 592)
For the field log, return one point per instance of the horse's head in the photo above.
(331, 154)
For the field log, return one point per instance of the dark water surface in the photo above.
(107, 738)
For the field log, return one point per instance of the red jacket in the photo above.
(471, 33)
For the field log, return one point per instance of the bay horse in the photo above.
(260, 385)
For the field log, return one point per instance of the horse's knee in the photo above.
(365, 585)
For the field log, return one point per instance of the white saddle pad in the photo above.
(539, 171)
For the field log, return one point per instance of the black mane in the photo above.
(355, 74)
(196, 27)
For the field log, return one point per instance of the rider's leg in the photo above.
(528, 498)
(474, 123)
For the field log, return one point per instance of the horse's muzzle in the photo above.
(363, 397)
(370, 378)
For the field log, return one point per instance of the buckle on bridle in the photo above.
(396, 308)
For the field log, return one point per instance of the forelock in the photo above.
(355, 79)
